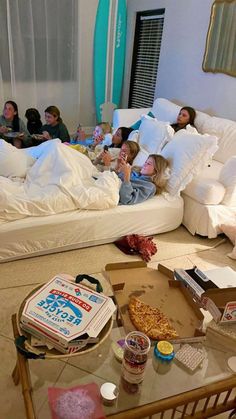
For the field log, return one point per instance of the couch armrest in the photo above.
(127, 117)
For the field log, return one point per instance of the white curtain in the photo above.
(39, 56)
(220, 51)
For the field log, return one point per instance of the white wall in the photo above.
(180, 75)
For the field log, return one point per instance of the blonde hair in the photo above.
(161, 174)
(105, 127)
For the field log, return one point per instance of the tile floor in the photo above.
(64, 372)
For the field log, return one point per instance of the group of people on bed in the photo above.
(137, 184)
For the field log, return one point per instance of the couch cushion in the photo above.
(228, 179)
(140, 158)
(224, 129)
(134, 136)
(207, 191)
(188, 154)
(165, 110)
(154, 134)
(136, 125)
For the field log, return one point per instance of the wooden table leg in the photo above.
(15, 375)
(21, 373)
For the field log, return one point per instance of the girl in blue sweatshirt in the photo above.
(151, 180)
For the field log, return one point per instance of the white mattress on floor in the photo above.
(82, 228)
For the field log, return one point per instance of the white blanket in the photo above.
(61, 179)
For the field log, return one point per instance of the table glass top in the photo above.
(101, 366)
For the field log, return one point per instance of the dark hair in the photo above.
(125, 133)
(191, 112)
(192, 115)
(15, 121)
(53, 110)
(34, 122)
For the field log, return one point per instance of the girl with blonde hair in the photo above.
(139, 186)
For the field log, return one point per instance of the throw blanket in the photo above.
(60, 180)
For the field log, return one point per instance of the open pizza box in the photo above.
(213, 290)
(158, 288)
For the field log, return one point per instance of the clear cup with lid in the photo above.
(136, 348)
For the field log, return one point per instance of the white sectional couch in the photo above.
(210, 199)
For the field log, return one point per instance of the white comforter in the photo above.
(60, 180)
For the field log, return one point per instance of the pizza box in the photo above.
(157, 288)
(213, 290)
(222, 336)
(63, 312)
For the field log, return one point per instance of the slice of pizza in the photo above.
(150, 320)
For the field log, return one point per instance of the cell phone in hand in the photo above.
(105, 148)
(124, 157)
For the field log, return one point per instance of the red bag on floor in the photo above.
(80, 402)
(134, 244)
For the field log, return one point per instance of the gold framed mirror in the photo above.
(220, 50)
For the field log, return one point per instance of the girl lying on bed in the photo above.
(58, 180)
(127, 153)
(139, 186)
(118, 138)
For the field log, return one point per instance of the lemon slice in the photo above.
(165, 347)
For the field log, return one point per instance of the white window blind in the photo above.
(147, 46)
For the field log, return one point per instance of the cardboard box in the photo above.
(62, 312)
(213, 290)
(157, 288)
(222, 336)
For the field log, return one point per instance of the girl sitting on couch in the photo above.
(186, 117)
(150, 181)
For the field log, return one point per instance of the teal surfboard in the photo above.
(109, 56)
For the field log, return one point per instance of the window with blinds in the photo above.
(146, 52)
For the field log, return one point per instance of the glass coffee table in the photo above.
(210, 388)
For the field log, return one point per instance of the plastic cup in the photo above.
(136, 348)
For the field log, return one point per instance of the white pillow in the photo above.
(140, 158)
(188, 155)
(14, 162)
(228, 178)
(134, 136)
(154, 134)
(206, 191)
(164, 110)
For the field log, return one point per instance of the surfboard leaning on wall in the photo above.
(109, 56)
